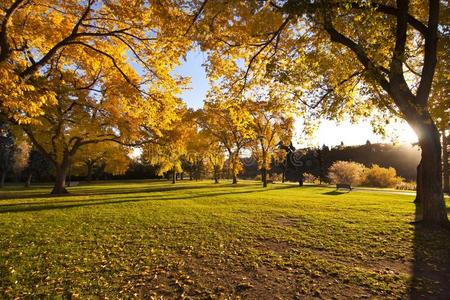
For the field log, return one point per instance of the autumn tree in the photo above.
(170, 147)
(103, 74)
(272, 123)
(339, 58)
(215, 158)
(82, 36)
(229, 123)
(196, 150)
(207, 151)
(93, 110)
(109, 157)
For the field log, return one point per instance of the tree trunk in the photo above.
(60, 180)
(445, 167)
(174, 175)
(264, 177)
(28, 182)
(234, 168)
(69, 175)
(2, 180)
(89, 171)
(419, 184)
(431, 195)
(216, 179)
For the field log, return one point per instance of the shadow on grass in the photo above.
(431, 268)
(64, 204)
(83, 191)
(334, 193)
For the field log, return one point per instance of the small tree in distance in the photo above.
(347, 172)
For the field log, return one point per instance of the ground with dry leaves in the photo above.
(152, 239)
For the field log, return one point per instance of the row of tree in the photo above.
(222, 131)
(21, 161)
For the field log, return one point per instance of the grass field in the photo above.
(202, 240)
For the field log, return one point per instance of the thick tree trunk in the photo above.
(431, 195)
(264, 177)
(234, 179)
(60, 181)
(61, 173)
(28, 182)
(2, 179)
(419, 184)
(174, 176)
(445, 166)
(69, 176)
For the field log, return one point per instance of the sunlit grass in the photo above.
(201, 240)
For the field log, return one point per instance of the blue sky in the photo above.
(193, 68)
(329, 133)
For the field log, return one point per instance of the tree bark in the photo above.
(216, 179)
(419, 183)
(2, 180)
(445, 166)
(28, 182)
(264, 177)
(61, 173)
(60, 180)
(430, 176)
(234, 168)
(174, 175)
(89, 171)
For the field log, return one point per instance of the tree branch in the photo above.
(430, 58)
(4, 43)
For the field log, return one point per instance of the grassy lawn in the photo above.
(200, 240)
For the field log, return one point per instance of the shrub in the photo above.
(347, 172)
(276, 177)
(309, 178)
(381, 177)
(406, 185)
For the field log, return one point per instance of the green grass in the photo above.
(202, 240)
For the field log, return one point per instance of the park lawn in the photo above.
(203, 240)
